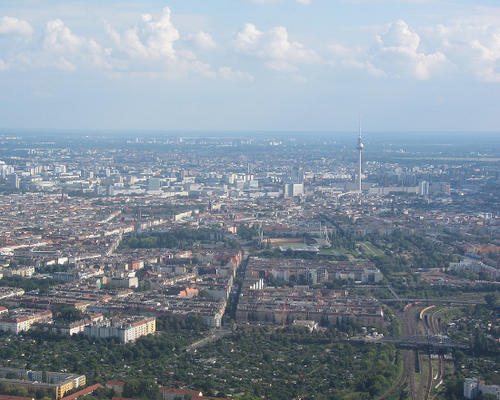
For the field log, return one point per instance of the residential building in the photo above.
(125, 330)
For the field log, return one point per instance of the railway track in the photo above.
(412, 321)
(411, 373)
(434, 327)
(428, 388)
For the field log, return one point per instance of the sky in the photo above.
(250, 65)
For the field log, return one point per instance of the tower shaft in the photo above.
(360, 169)
(360, 151)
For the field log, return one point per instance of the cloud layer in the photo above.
(155, 47)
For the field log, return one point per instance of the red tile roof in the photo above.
(188, 392)
(83, 392)
(115, 383)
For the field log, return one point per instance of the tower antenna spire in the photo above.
(360, 147)
(359, 125)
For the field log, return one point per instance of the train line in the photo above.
(433, 326)
(412, 320)
(428, 388)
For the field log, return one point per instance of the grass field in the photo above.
(369, 249)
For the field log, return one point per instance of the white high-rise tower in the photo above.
(360, 147)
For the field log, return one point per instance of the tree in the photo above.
(246, 396)
(487, 397)
(491, 299)
(142, 388)
(70, 314)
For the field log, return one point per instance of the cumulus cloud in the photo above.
(282, 54)
(474, 48)
(154, 39)
(234, 75)
(154, 48)
(58, 37)
(398, 53)
(11, 25)
(61, 41)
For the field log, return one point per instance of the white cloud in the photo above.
(474, 48)
(281, 53)
(10, 25)
(304, 2)
(155, 39)
(247, 39)
(58, 37)
(468, 47)
(352, 58)
(154, 48)
(60, 40)
(234, 75)
(398, 53)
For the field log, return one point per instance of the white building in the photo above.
(293, 190)
(21, 320)
(423, 189)
(125, 331)
(126, 282)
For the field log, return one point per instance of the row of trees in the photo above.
(177, 239)
(28, 284)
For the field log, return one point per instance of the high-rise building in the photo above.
(13, 181)
(293, 190)
(297, 175)
(423, 189)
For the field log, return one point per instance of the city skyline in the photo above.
(123, 254)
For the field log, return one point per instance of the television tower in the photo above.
(360, 147)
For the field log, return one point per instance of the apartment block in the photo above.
(20, 319)
(125, 330)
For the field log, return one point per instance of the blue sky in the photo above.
(240, 65)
